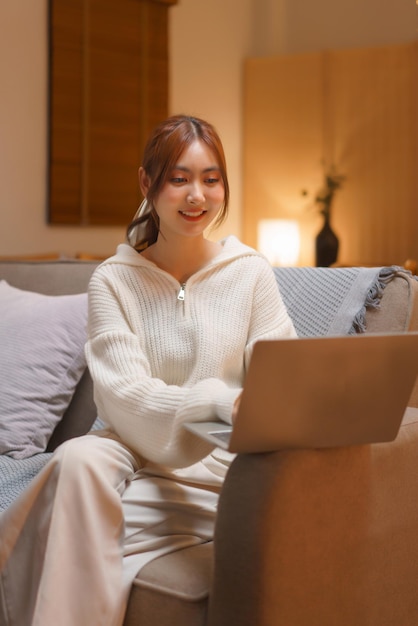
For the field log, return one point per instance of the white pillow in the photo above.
(41, 361)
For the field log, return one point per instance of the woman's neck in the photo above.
(181, 260)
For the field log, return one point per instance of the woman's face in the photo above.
(193, 194)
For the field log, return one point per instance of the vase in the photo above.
(326, 245)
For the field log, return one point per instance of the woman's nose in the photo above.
(196, 195)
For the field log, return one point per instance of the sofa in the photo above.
(303, 537)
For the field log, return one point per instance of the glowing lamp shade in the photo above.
(279, 241)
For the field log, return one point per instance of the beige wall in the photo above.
(208, 43)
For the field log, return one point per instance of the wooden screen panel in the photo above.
(66, 111)
(115, 133)
(356, 109)
(374, 140)
(109, 87)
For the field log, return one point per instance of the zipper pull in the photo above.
(181, 293)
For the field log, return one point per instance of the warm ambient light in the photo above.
(279, 241)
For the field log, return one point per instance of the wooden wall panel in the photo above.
(354, 108)
(374, 108)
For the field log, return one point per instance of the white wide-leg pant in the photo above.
(72, 543)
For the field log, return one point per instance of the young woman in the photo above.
(173, 318)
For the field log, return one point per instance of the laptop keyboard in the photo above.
(222, 435)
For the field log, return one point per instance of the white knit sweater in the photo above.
(158, 361)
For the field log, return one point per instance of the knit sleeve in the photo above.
(269, 316)
(144, 411)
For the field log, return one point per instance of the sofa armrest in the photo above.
(319, 537)
(398, 312)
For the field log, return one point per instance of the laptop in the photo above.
(320, 392)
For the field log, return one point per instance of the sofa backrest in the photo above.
(52, 278)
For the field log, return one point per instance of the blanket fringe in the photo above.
(374, 295)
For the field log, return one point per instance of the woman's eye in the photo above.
(212, 181)
(178, 180)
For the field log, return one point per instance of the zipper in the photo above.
(181, 294)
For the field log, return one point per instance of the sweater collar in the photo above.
(231, 248)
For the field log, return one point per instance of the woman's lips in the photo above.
(192, 215)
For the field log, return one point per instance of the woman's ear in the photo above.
(144, 181)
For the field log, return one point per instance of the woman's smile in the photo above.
(193, 216)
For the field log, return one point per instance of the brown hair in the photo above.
(162, 151)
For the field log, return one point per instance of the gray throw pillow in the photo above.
(42, 359)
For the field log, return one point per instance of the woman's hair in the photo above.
(161, 154)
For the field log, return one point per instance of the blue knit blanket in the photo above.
(15, 474)
(324, 301)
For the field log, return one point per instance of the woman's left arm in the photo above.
(269, 316)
